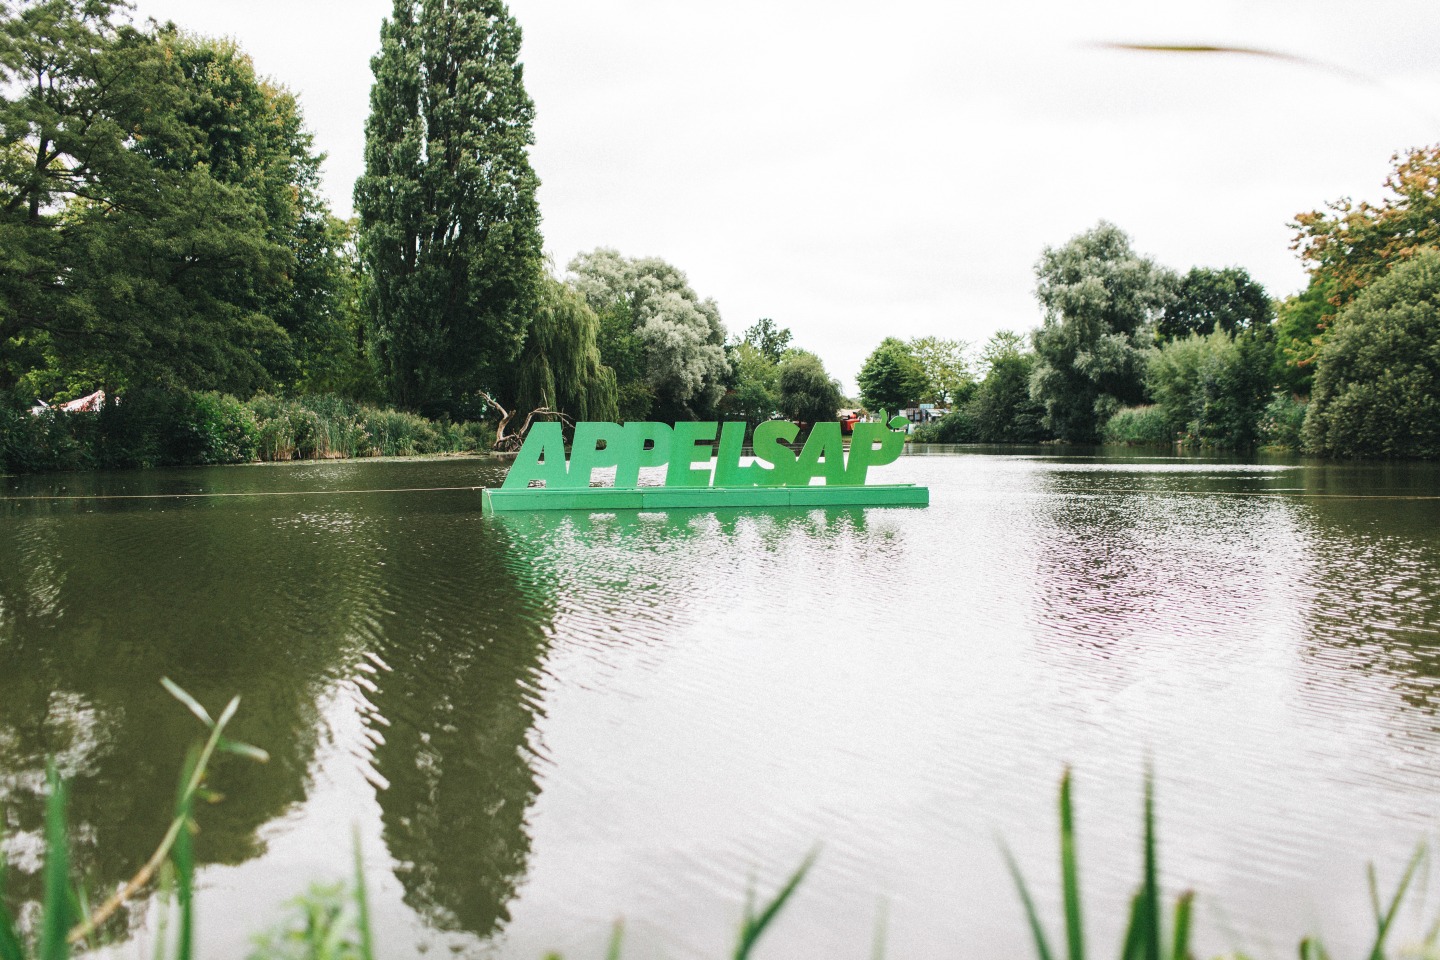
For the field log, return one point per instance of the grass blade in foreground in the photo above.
(183, 856)
(1383, 921)
(1070, 873)
(362, 905)
(56, 911)
(1042, 947)
(754, 924)
(190, 783)
(9, 939)
(1144, 937)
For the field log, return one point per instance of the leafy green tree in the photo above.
(449, 224)
(1002, 410)
(559, 365)
(947, 371)
(807, 393)
(1206, 299)
(124, 259)
(1300, 327)
(1101, 300)
(1350, 245)
(1375, 383)
(1002, 344)
(623, 351)
(328, 342)
(892, 378)
(754, 395)
(647, 306)
(250, 134)
(772, 341)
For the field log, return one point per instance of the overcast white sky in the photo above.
(863, 170)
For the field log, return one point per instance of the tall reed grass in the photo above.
(1138, 426)
(173, 428)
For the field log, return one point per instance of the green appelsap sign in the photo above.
(823, 473)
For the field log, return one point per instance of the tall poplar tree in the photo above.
(449, 226)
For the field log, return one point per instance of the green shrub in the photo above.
(1282, 421)
(149, 428)
(1143, 426)
(289, 430)
(1377, 380)
(468, 437)
(957, 426)
(1215, 387)
(52, 440)
(225, 429)
(1002, 408)
(343, 423)
(277, 427)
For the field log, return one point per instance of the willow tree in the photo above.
(559, 366)
(449, 225)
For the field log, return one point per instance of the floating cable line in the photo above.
(252, 493)
(1078, 491)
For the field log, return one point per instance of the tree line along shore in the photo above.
(164, 241)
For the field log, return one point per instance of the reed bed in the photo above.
(174, 428)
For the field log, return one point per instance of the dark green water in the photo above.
(538, 724)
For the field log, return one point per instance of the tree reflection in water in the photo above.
(98, 603)
(456, 709)
(284, 601)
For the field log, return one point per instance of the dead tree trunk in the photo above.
(511, 442)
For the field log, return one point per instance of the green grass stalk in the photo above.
(56, 911)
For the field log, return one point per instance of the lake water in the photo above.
(539, 724)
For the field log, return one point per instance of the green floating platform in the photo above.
(690, 498)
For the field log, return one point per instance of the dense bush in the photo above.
(957, 426)
(289, 430)
(1003, 410)
(1282, 421)
(1377, 381)
(224, 429)
(1146, 425)
(30, 444)
(1213, 388)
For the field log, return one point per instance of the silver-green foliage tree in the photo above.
(1101, 300)
(1377, 382)
(649, 308)
(449, 224)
